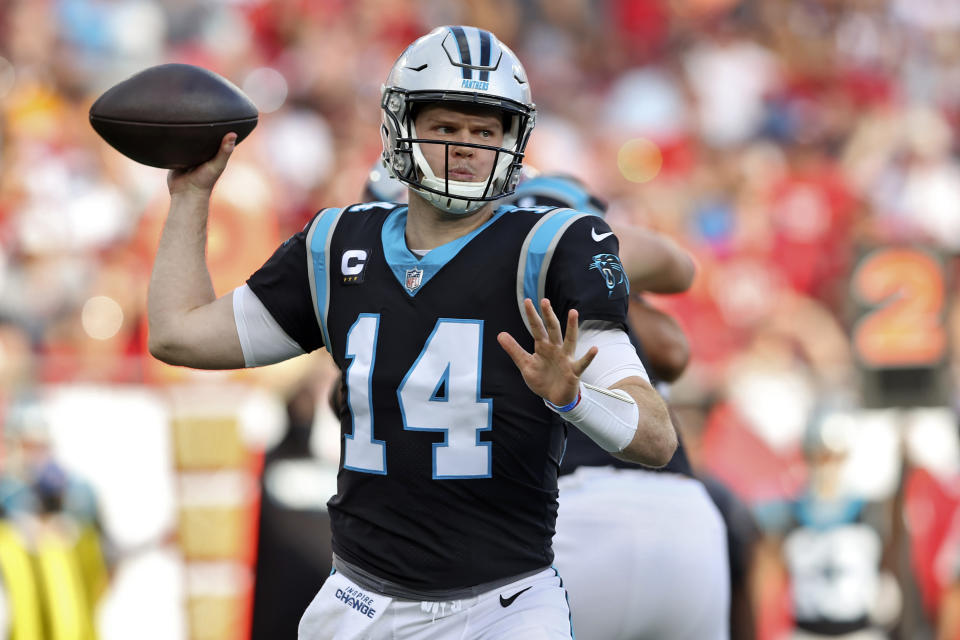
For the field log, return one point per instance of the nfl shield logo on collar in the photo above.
(414, 278)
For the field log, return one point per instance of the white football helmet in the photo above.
(454, 65)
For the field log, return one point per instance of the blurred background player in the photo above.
(53, 551)
(655, 263)
(831, 546)
(659, 528)
(743, 533)
(293, 538)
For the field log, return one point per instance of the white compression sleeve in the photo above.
(608, 416)
(263, 340)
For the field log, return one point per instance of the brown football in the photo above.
(172, 116)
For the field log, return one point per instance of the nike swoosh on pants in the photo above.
(506, 602)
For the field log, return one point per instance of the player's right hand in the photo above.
(201, 178)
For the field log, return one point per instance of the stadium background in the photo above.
(804, 152)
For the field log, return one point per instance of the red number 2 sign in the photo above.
(903, 291)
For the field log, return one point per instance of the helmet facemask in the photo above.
(410, 165)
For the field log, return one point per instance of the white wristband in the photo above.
(608, 416)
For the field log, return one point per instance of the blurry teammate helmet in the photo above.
(456, 66)
(557, 190)
(383, 187)
(829, 433)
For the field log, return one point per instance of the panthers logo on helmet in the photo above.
(608, 264)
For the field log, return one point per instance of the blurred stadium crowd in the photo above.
(778, 141)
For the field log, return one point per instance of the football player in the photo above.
(660, 529)
(831, 543)
(445, 317)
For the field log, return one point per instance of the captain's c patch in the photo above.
(352, 265)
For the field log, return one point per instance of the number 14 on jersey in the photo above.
(440, 392)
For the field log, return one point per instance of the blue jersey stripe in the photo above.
(318, 241)
(536, 255)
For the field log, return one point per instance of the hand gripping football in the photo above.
(172, 116)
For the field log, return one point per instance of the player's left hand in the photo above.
(550, 371)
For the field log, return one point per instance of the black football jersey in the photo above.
(449, 464)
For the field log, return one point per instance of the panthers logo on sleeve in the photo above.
(608, 264)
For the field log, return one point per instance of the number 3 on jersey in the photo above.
(440, 392)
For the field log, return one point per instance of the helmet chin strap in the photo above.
(448, 204)
(451, 203)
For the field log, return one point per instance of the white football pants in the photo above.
(643, 555)
(533, 608)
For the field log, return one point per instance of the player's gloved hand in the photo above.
(201, 178)
(550, 371)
